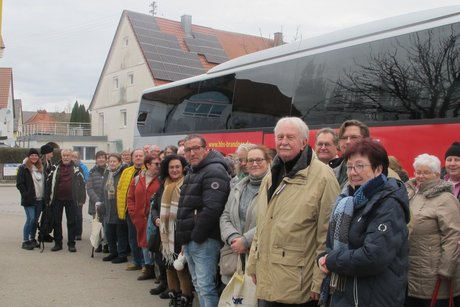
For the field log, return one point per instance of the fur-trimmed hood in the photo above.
(431, 188)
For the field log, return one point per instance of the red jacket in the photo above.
(139, 204)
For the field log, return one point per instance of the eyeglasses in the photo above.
(351, 137)
(423, 173)
(323, 144)
(157, 164)
(194, 148)
(358, 167)
(258, 161)
(242, 161)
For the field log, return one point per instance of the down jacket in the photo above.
(25, 185)
(95, 187)
(202, 200)
(375, 264)
(122, 189)
(434, 248)
(291, 230)
(78, 184)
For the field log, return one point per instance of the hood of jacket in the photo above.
(432, 188)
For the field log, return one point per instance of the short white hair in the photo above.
(245, 147)
(431, 161)
(300, 124)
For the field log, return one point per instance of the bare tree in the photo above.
(153, 11)
(419, 80)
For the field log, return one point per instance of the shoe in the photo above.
(105, 249)
(35, 244)
(78, 238)
(160, 289)
(148, 273)
(174, 298)
(186, 301)
(98, 249)
(72, 248)
(120, 260)
(133, 267)
(165, 294)
(56, 247)
(109, 257)
(28, 245)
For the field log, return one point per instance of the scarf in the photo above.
(341, 218)
(110, 186)
(168, 212)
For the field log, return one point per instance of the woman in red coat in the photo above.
(141, 189)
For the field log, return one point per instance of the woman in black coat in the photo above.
(30, 183)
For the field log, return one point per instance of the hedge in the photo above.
(17, 155)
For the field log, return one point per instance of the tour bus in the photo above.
(400, 76)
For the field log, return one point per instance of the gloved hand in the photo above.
(100, 209)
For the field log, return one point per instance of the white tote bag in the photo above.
(240, 290)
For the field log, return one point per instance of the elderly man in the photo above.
(65, 188)
(294, 205)
(452, 158)
(202, 201)
(326, 146)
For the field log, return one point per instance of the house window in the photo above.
(123, 118)
(130, 78)
(125, 41)
(115, 83)
(86, 152)
(101, 123)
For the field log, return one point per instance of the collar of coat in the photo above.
(432, 188)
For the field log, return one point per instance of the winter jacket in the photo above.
(122, 189)
(110, 205)
(139, 205)
(78, 185)
(95, 188)
(230, 224)
(375, 264)
(25, 185)
(202, 200)
(291, 230)
(434, 248)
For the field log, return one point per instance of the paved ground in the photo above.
(31, 278)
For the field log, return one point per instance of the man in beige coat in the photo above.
(294, 206)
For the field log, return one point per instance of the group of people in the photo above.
(309, 227)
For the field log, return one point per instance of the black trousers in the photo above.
(79, 221)
(70, 213)
(262, 303)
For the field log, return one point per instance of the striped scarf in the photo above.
(168, 213)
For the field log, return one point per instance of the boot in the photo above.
(105, 249)
(149, 273)
(160, 288)
(186, 301)
(174, 299)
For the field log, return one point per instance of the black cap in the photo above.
(32, 151)
(454, 150)
(46, 149)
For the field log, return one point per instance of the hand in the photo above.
(314, 296)
(157, 222)
(98, 203)
(238, 245)
(254, 279)
(322, 265)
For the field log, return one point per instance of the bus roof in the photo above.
(361, 31)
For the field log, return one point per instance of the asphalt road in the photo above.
(31, 278)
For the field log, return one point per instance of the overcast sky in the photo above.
(57, 48)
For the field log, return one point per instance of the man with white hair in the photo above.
(294, 205)
(65, 188)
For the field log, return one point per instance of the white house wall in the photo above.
(110, 101)
(7, 120)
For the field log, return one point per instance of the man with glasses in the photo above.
(326, 146)
(202, 201)
(294, 205)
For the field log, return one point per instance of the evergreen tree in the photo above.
(74, 113)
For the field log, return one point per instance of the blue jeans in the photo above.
(136, 251)
(202, 263)
(147, 256)
(32, 215)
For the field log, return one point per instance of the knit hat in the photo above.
(47, 148)
(32, 151)
(454, 150)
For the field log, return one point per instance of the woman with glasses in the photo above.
(238, 221)
(141, 189)
(434, 239)
(367, 246)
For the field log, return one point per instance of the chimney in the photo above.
(278, 39)
(186, 23)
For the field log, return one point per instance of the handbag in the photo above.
(434, 297)
(228, 261)
(240, 290)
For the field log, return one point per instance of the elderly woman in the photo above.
(452, 159)
(367, 246)
(238, 221)
(434, 249)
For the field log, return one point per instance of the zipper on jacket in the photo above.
(280, 189)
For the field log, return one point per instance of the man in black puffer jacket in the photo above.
(202, 201)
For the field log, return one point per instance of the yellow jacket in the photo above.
(122, 190)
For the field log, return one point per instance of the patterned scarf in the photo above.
(168, 213)
(340, 223)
